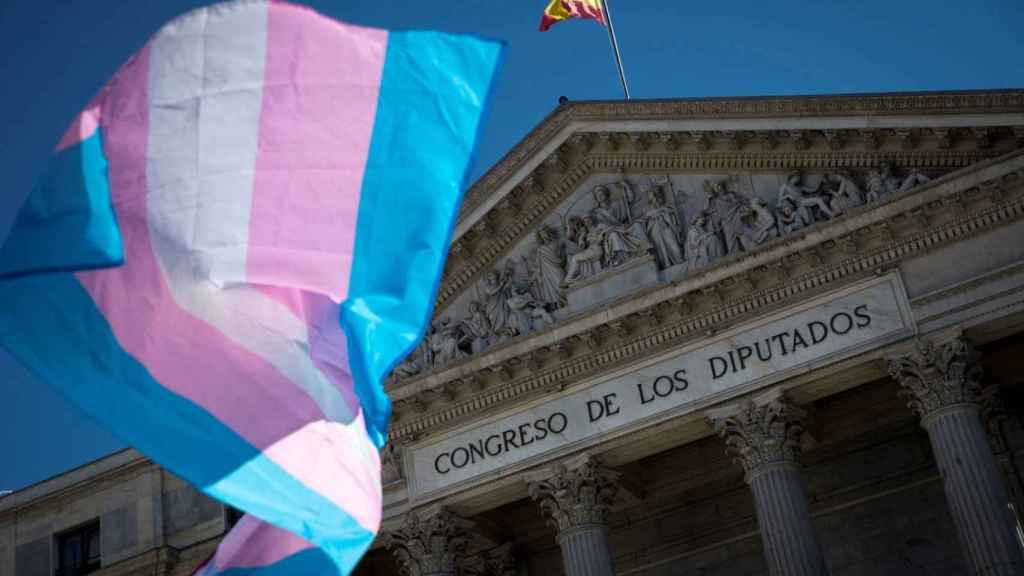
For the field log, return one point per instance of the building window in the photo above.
(231, 517)
(78, 550)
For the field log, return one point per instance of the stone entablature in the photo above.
(774, 348)
(947, 209)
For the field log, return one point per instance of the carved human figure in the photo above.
(912, 179)
(703, 245)
(661, 224)
(876, 187)
(726, 212)
(588, 259)
(495, 295)
(844, 191)
(417, 360)
(619, 241)
(445, 342)
(527, 313)
(789, 218)
(547, 269)
(884, 182)
(804, 197)
(477, 332)
(759, 227)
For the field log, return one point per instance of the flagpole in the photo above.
(615, 48)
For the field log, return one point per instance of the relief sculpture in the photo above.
(609, 226)
(661, 224)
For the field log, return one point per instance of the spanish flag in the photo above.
(559, 10)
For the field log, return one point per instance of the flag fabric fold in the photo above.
(233, 246)
(559, 10)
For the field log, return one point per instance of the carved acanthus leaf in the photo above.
(430, 544)
(757, 434)
(576, 496)
(937, 376)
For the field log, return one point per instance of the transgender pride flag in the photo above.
(235, 243)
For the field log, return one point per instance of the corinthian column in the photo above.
(576, 499)
(430, 545)
(763, 436)
(943, 384)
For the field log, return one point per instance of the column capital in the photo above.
(575, 494)
(760, 432)
(430, 543)
(937, 376)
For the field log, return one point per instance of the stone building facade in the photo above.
(686, 337)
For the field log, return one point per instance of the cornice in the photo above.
(24, 499)
(868, 241)
(931, 103)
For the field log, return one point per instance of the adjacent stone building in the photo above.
(685, 337)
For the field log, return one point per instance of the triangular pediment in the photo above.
(609, 204)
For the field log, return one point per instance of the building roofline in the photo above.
(70, 479)
(866, 103)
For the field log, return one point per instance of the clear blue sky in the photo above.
(54, 54)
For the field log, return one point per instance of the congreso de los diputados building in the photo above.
(698, 337)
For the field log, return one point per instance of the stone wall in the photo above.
(146, 517)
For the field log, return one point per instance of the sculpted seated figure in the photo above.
(883, 182)
(527, 313)
(619, 238)
(587, 260)
(804, 197)
(703, 244)
(844, 191)
(759, 225)
(790, 219)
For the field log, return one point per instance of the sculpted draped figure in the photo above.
(496, 290)
(759, 225)
(790, 218)
(661, 224)
(804, 197)
(725, 211)
(478, 333)
(883, 182)
(620, 238)
(547, 268)
(606, 236)
(703, 244)
(444, 342)
(587, 260)
(846, 194)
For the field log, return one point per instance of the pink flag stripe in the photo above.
(252, 543)
(315, 140)
(203, 143)
(204, 366)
